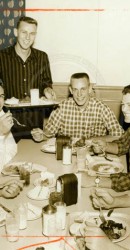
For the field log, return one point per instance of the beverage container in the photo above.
(81, 157)
(22, 211)
(34, 93)
(49, 220)
(60, 215)
(67, 154)
(25, 175)
(55, 197)
(12, 226)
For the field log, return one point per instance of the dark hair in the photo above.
(126, 90)
(80, 75)
(27, 20)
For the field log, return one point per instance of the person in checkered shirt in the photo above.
(80, 115)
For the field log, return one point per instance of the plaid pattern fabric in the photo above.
(120, 182)
(124, 143)
(95, 120)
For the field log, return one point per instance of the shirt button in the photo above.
(24, 65)
(24, 80)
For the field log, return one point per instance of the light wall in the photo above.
(95, 38)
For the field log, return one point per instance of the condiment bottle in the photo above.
(67, 154)
(22, 211)
(49, 220)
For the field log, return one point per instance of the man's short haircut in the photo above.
(126, 90)
(80, 75)
(27, 20)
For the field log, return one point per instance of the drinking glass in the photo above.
(81, 157)
(34, 93)
(12, 226)
(55, 197)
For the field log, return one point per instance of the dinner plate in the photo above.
(106, 167)
(39, 193)
(117, 220)
(12, 169)
(51, 183)
(34, 212)
(92, 219)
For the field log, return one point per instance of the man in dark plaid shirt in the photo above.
(80, 115)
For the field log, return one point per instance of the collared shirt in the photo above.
(96, 119)
(19, 77)
(124, 142)
(120, 182)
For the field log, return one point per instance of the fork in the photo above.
(22, 125)
(42, 184)
(101, 215)
(105, 156)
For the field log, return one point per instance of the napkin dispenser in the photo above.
(60, 142)
(68, 185)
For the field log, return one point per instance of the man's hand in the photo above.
(49, 93)
(98, 146)
(101, 197)
(6, 122)
(95, 239)
(37, 134)
(12, 188)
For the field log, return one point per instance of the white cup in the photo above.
(34, 93)
(60, 215)
(12, 227)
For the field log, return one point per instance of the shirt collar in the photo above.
(12, 52)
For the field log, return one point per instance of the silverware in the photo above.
(105, 156)
(42, 184)
(101, 215)
(22, 125)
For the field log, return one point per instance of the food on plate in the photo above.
(14, 169)
(104, 167)
(112, 229)
(45, 182)
(80, 142)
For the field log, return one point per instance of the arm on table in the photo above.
(108, 200)
(11, 189)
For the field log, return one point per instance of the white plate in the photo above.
(9, 169)
(92, 219)
(39, 193)
(106, 167)
(34, 212)
(37, 182)
(49, 146)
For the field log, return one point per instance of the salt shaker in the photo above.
(49, 220)
(22, 211)
(67, 154)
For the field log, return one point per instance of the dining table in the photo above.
(32, 237)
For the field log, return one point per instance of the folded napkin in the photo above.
(33, 211)
(39, 193)
(12, 100)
